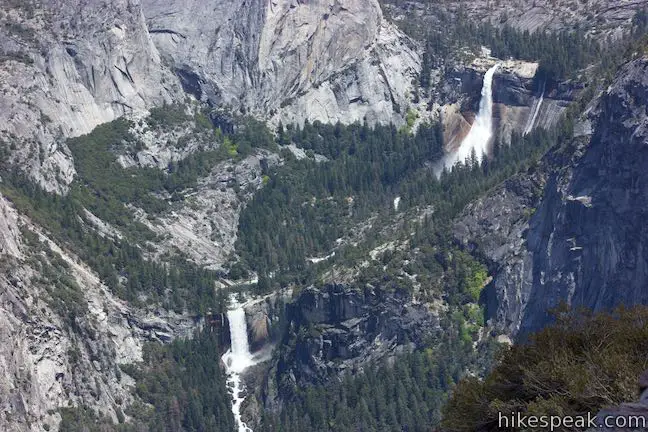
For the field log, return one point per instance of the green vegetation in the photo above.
(167, 117)
(84, 419)
(64, 295)
(178, 285)
(474, 278)
(579, 365)
(561, 55)
(306, 205)
(104, 188)
(185, 384)
(304, 208)
(410, 119)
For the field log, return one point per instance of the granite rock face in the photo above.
(338, 329)
(66, 67)
(522, 102)
(204, 227)
(48, 361)
(289, 60)
(601, 18)
(572, 231)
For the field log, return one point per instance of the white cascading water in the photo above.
(535, 110)
(481, 130)
(237, 359)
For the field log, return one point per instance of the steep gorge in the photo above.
(293, 61)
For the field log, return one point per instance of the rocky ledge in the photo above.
(337, 329)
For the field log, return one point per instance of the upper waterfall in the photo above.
(481, 130)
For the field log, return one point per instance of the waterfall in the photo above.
(535, 109)
(237, 359)
(481, 130)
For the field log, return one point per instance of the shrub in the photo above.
(578, 365)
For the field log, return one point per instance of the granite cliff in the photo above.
(66, 67)
(338, 329)
(69, 66)
(290, 60)
(65, 334)
(570, 230)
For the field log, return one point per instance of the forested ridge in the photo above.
(307, 205)
(581, 364)
(560, 54)
(105, 188)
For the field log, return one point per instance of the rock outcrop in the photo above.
(337, 329)
(522, 102)
(600, 19)
(265, 316)
(204, 226)
(572, 232)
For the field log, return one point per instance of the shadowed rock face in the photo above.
(585, 243)
(339, 329)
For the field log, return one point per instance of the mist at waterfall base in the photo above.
(481, 130)
(237, 359)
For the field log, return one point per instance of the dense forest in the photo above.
(306, 205)
(561, 55)
(407, 394)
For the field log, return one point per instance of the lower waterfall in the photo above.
(237, 359)
(481, 130)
